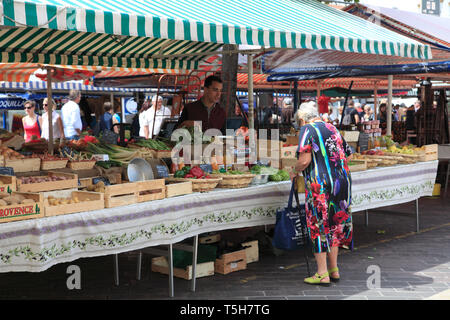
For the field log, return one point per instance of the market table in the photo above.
(37, 244)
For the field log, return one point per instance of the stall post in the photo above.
(50, 110)
(389, 107)
(251, 118)
(375, 99)
(251, 111)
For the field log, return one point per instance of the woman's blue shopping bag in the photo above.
(290, 227)
(288, 233)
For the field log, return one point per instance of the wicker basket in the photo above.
(53, 164)
(232, 181)
(81, 165)
(198, 185)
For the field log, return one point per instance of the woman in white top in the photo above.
(143, 119)
(58, 129)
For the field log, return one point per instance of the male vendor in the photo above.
(206, 109)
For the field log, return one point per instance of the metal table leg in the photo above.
(139, 266)
(194, 262)
(446, 178)
(116, 269)
(171, 290)
(417, 215)
(367, 218)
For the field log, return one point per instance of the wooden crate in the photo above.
(231, 262)
(71, 182)
(7, 184)
(178, 188)
(289, 152)
(160, 264)
(23, 211)
(53, 164)
(88, 201)
(24, 165)
(291, 139)
(151, 190)
(212, 238)
(359, 165)
(121, 194)
(252, 252)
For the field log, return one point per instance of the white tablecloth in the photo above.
(37, 244)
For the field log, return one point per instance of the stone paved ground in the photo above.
(412, 266)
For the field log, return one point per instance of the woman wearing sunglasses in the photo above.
(58, 129)
(31, 122)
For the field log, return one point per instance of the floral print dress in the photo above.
(327, 187)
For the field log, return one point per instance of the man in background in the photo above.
(71, 116)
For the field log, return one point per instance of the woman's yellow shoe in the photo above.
(317, 279)
(331, 271)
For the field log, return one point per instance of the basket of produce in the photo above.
(357, 165)
(201, 181)
(233, 178)
(262, 174)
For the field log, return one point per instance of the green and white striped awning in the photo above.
(154, 33)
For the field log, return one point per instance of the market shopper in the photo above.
(206, 109)
(154, 119)
(106, 122)
(57, 125)
(71, 116)
(142, 119)
(322, 157)
(30, 122)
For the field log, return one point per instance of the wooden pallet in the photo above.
(151, 190)
(88, 201)
(121, 194)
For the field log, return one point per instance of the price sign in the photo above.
(162, 171)
(206, 168)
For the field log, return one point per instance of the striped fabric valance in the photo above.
(306, 24)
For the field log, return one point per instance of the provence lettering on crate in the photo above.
(21, 206)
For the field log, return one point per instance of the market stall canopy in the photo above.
(22, 72)
(426, 28)
(260, 82)
(172, 34)
(66, 86)
(429, 30)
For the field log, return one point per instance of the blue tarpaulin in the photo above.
(359, 71)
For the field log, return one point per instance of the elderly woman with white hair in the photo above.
(322, 157)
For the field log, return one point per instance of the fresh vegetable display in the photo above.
(7, 200)
(39, 179)
(116, 153)
(152, 144)
(260, 169)
(59, 201)
(281, 175)
(191, 172)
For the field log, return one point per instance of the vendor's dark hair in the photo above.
(209, 80)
